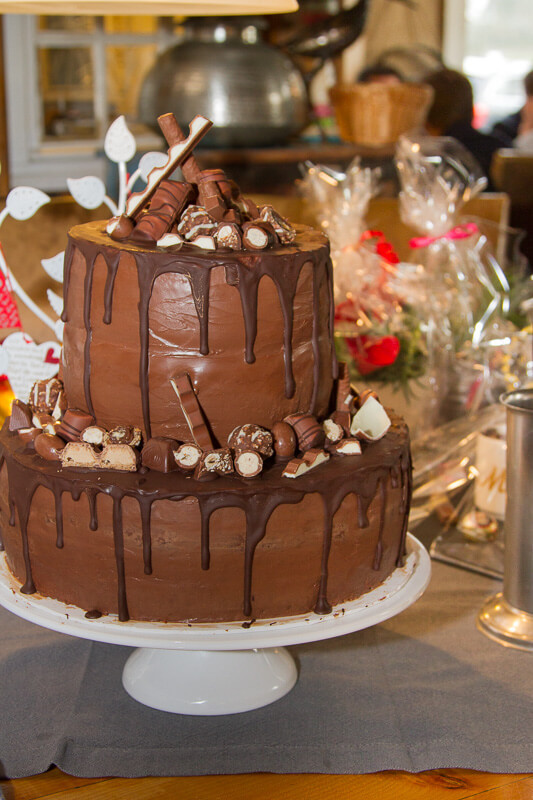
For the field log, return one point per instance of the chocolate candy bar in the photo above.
(121, 457)
(177, 154)
(44, 395)
(169, 200)
(308, 430)
(228, 234)
(257, 235)
(333, 430)
(158, 454)
(73, 423)
(191, 410)
(195, 221)
(79, 454)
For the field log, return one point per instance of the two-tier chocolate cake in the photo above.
(199, 457)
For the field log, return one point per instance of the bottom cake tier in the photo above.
(163, 547)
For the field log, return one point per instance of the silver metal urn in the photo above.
(253, 92)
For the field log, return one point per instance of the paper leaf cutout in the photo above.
(89, 192)
(23, 201)
(28, 362)
(55, 301)
(149, 161)
(9, 315)
(4, 363)
(54, 266)
(119, 144)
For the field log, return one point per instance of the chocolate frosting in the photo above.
(238, 322)
(385, 461)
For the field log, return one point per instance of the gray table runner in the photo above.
(421, 691)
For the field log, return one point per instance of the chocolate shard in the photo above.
(79, 454)
(315, 457)
(119, 457)
(192, 412)
(44, 395)
(45, 422)
(21, 416)
(158, 454)
(283, 229)
(248, 463)
(73, 423)
(347, 447)
(214, 192)
(251, 437)
(187, 456)
(295, 468)
(49, 446)
(343, 418)
(308, 430)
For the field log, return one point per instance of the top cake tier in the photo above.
(252, 329)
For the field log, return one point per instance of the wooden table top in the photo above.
(445, 784)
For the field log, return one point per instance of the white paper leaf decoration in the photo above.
(54, 266)
(23, 201)
(55, 301)
(149, 161)
(28, 362)
(4, 361)
(89, 192)
(119, 144)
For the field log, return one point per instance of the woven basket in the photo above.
(377, 114)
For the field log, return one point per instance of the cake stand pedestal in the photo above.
(220, 668)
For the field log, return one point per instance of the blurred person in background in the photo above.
(452, 112)
(516, 130)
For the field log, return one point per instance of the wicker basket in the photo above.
(377, 114)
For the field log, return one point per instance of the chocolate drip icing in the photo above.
(118, 535)
(334, 362)
(93, 517)
(58, 495)
(112, 262)
(407, 492)
(145, 504)
(69, 253)
(379, 544)
(244, 271)
(333, 482)
(2, 459)
(87, 299)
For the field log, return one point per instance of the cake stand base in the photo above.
(224, 667)
(506, 624)
(209, 682)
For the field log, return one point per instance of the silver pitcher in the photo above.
(508, 616)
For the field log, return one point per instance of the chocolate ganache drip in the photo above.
(258, 501)
(243, 270)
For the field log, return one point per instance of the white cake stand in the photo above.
(222, 668)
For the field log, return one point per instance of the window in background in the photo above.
(67, 78)
(492, 42)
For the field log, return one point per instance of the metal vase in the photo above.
(508, 616)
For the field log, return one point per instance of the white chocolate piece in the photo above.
(169, 240)
(334, 432)
(348, 447)
(205, 242)
(371, 422)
